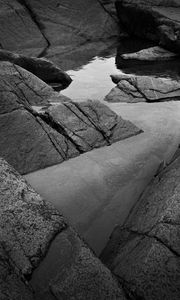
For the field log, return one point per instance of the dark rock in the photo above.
(149, 242)
(41, 256)
(156, 20)
(34, 139)
(42, 68)
(72, 22)
(22, 87)
(18, 31)
(131, 88)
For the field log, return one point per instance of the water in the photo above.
(91, 65)
(96, 190)
(92, 81)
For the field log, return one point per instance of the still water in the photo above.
(91, 73)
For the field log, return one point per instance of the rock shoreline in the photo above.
(41, 255)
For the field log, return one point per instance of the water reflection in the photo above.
(91, 64)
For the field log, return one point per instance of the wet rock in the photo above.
(18, 31)
(42, 68)
(156, 20)
(149, 242)
(72, 22)
(90, 124)
(132, 89)
(150, 54)
(40, 254)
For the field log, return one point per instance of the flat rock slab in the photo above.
(41, 256)
(18, 30)
(32, 138)
(150, 54)
(156, 20)
(90, 124)
(132, 89)
(41, 68)
(149, 241)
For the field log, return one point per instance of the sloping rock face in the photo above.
(90, 124)
(72, 22)
(150, 54)
(18, 30)
(41, 256)
(42, 68)
(156, 20)
(31, 140)
(144, 253)
(134, 89)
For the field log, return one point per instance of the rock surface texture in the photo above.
(61, 132)
(145, 253)
(30, 26)
(41, 256)
(42, 68)
(150, 54)
(132, 89)
(18, 30)
(157, 20)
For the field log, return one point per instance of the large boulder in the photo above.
(157, 20)
(41, 256)
(72, 22)
(144, 253)
(132, 89)
(42, 68)
(31, 140)
(18, 30)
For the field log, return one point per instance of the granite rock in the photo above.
(149, 241)
(132, 89)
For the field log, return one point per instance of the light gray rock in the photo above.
(132, 89)
(149, 242)
(150, 54)
(90, 124)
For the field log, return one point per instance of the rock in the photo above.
(150, 54)
(44, 137)
(11, 286)
(90, 124)
(149, 242)
(42, 68)
(156, 20)
(72, 22)
(18, 30)
(22, 87)
(41, 256)
(131, 88)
